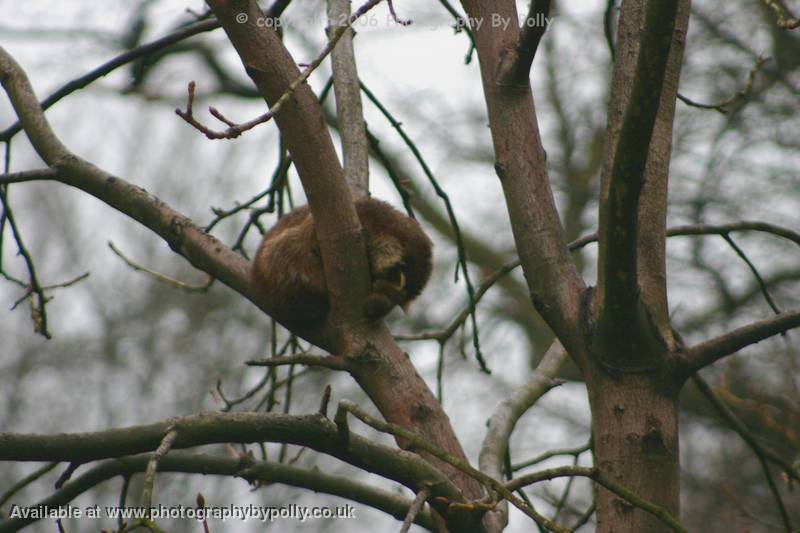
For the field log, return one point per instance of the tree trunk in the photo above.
(635, 434)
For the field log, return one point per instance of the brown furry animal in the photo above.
(288, 277)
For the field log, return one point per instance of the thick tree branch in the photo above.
(520, 162)
(267, 472)
(707, 352)
(620, 229)
(313, 431)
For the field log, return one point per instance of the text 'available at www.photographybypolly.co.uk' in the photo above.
(242, 513)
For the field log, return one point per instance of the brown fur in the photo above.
(288, 277)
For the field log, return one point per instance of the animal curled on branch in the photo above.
(288, 277)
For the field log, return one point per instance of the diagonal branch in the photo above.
(555, 286)
(707, 352)
(505, 416)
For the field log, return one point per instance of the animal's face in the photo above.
(388, 268)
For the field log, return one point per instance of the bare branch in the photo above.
(618, 274)
(448, 331)
(552, 453)
(415, 508)
(267, 472)
(159, 276)
(461, 25)
(183, 236)
(707, 352)
(120, 60)
(25, 481)
(520, 163)
(503, 419)
(600, 478)
(313, 431)
(28, 175)
(741, 94)
(39, 310)
(333, 362)
(350, 114)
(152, 466)
(234, 130)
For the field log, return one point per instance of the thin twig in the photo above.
(162, 277)
(608, 29)
(461, 24)
(25, 481)
(326, 361)
(584, 518)
(741, 94)
(448, 331)
(28, 175)
(754, 271)
(415, 508)
(235, 130)
(67, 474)
(38, 311)
(598, 477)
(553, 453)
(152, 467)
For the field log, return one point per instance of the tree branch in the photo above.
(312, 431)
(619, 275)
(267, 472)
(707, 352)
(28, 175)
(515, 64)
(520, 162)
(352, 127)
(597, 476)
(505, 416)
